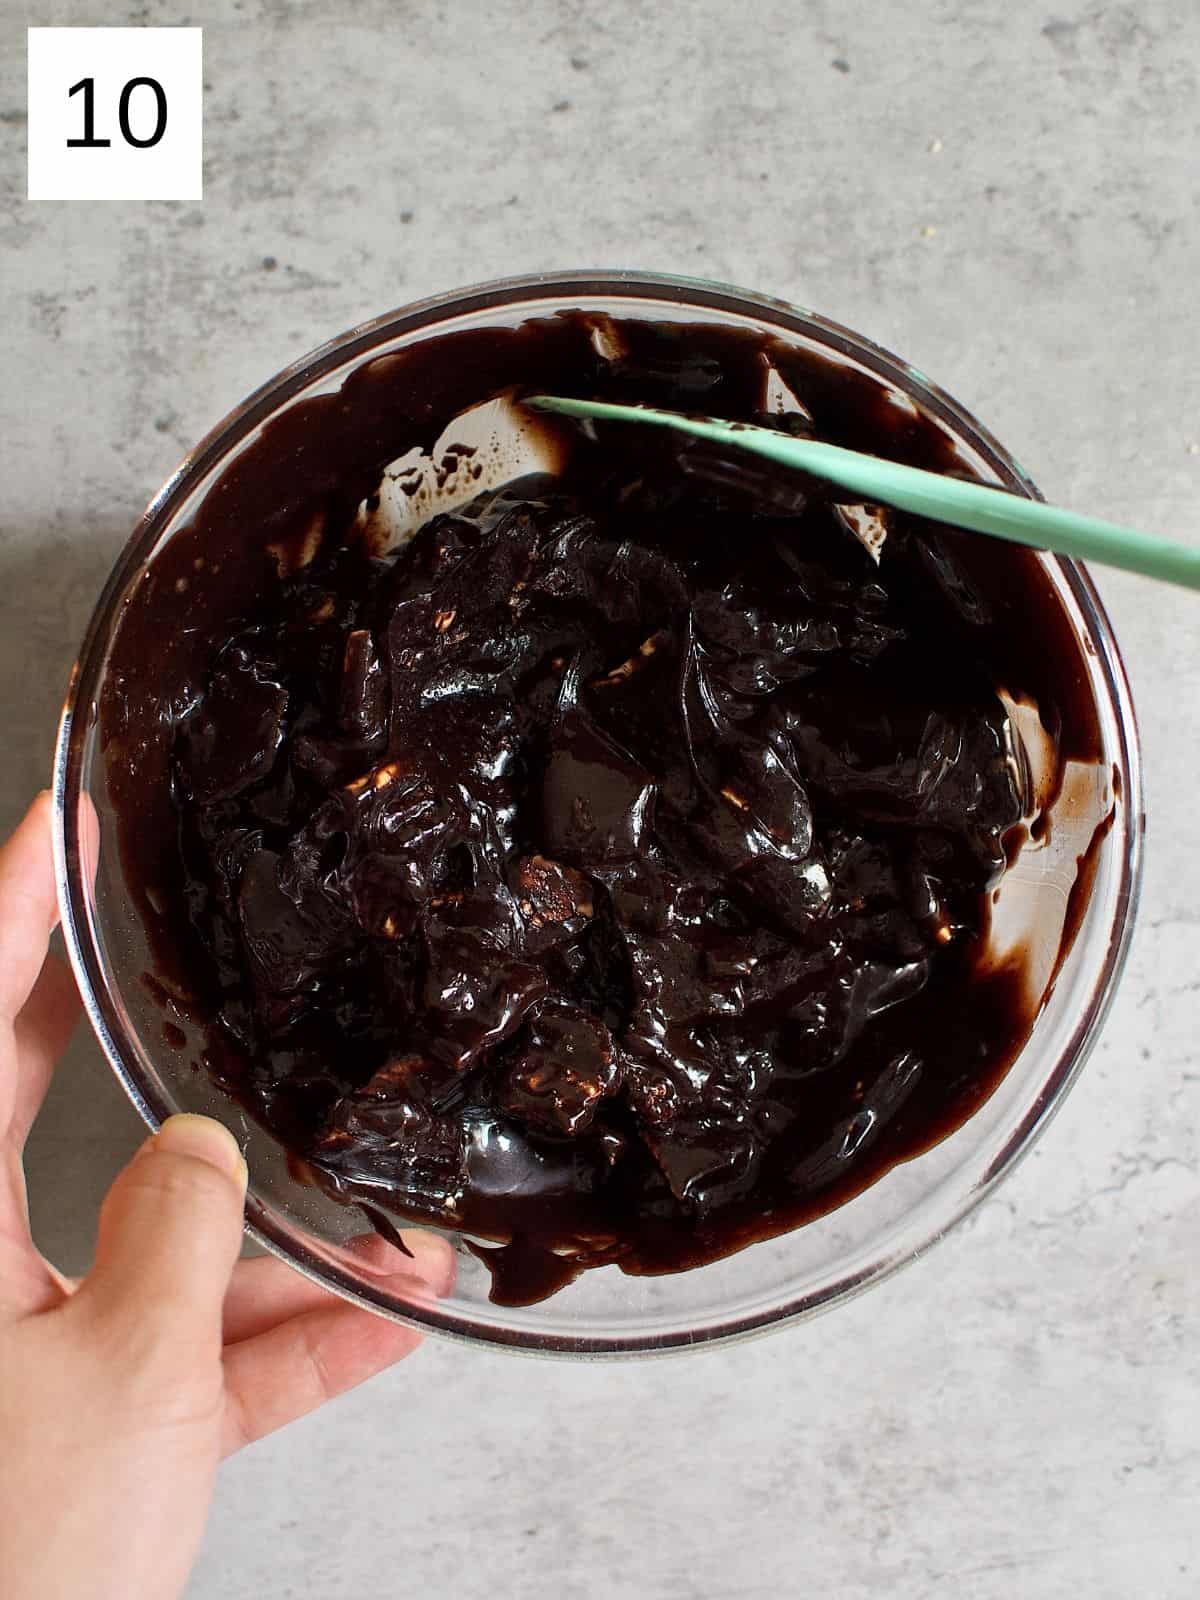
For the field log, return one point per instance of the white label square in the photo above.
(115, 113)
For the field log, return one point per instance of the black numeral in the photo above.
(160, 112)
(90, 141)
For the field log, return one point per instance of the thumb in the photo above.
(170, 1231)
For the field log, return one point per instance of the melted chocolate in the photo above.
(605, 875)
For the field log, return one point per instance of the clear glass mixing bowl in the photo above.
(780, 1280)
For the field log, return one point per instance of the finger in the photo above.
(43, 1031)
(28, 910)
(169, 1236)
(294, 1368)
(430, 1256)
(89, 837)
(28, 1283)
(267, 1291)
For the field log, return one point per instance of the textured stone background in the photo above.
(1009, 195)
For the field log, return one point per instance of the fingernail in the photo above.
(430, 1258)
(204, 1139)
(433, 1259)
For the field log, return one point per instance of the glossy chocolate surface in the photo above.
(606, 874)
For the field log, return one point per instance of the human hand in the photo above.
(120, 1393)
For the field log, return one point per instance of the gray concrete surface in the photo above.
(1006, 193)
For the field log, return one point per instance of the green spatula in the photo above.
(929, 494)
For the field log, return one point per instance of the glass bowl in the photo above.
(780, 1280)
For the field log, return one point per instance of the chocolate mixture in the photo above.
(607, 873)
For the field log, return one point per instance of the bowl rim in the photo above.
(570, 286)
